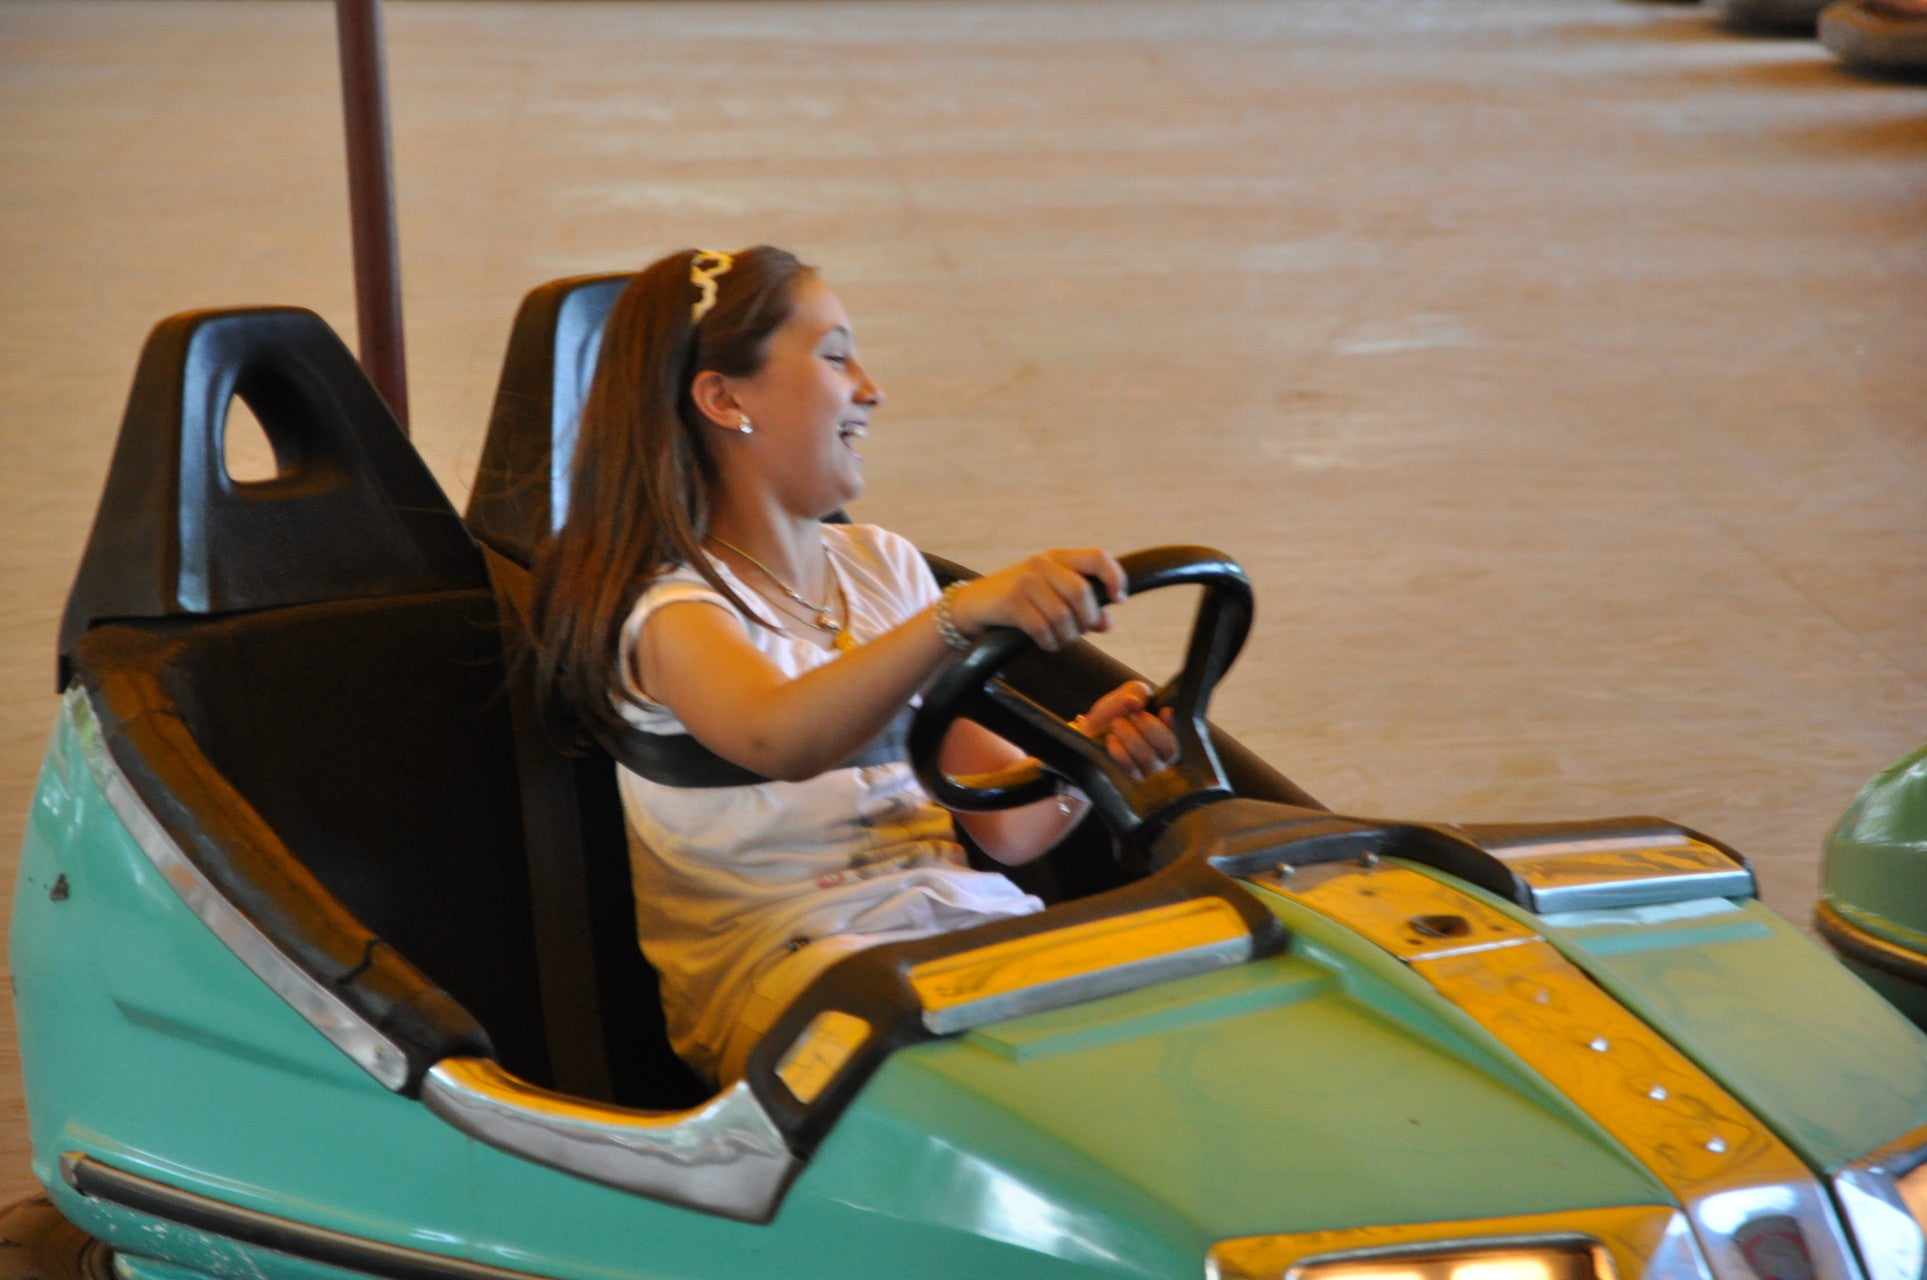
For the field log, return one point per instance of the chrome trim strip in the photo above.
(725, 1157)
(1595, 844)
(99, 1181)
(1641, 1242)
(1094, 985)
(1743, 1188)
(1687, 910)
(1601, 895)
(379, 1056)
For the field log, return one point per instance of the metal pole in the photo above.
(371, 200)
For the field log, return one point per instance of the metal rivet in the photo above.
(1657, 1093)
(1599, 1044)
(1368, 860)
(1716, 1145)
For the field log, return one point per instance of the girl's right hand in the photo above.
(1045, 596)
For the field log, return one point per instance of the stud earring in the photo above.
(744, 426)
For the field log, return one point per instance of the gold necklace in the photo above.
(820, 615)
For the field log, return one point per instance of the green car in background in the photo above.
(325, 961)
(1873, 905)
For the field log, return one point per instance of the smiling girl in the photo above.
(750, 666)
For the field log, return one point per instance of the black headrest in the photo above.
(353, 512)
(521, 490)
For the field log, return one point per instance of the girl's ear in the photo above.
(714, 400)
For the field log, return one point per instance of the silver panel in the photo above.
(1747, 1230)
(724, 1157)
(1884, 1225)
(1623, 871)
(1089, 986)
(379, 1056)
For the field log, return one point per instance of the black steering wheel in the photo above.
(972, 689)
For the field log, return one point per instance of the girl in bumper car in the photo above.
(695, 605)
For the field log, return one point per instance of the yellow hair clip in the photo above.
(703, 270)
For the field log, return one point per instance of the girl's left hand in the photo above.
(1140, 742)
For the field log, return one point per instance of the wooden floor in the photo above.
(1554, 366)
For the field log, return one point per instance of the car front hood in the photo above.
(1352, 1082)
(1308, 1091)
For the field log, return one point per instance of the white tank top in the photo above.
(729, 881)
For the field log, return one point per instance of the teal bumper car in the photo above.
(325, 961)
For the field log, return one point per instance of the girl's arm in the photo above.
(1140, 742)
(696, 659)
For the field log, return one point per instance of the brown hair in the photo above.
(639, 492)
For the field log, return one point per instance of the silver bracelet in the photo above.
(947, 623)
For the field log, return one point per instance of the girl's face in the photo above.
(810, 404)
